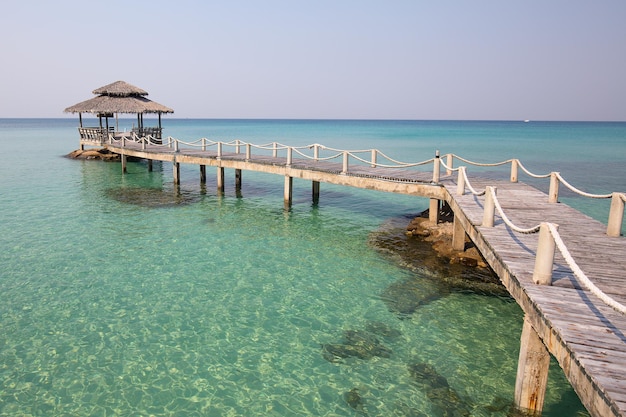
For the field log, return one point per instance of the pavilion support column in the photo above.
(532, 371)
(316, 192)
(288, 190)
(433, 211)
(458, 235)
(220, 179)
(238, 179)
(176, 172)
(203, 174)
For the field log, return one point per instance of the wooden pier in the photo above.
(566, 270)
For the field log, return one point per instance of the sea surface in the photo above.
(124, 295)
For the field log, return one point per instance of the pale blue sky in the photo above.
(392, 59)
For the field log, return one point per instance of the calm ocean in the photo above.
(122, 295)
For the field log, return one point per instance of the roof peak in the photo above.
(120, 89)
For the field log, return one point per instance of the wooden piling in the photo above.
(458, 235)
(288, 194)
(202, 174)
(176, 172)
(532, 371)
(315, 191)
(220, 179)
(237, 179)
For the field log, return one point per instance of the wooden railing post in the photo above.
(237, 146)
(553, 194)
(289, 155)
(219, 150)
(248, 151)
(616, 215)
(274, 150)
(143, 144)
(514, 167)
(374, 158)
(544, 260)
(344, 170)
(449, 162)
(204, 144)
(490, 207)
(460, 182)
(316, 152)
(436, 167)
(176, 145)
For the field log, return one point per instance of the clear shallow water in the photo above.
(124, 296)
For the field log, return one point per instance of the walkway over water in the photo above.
(568, 274)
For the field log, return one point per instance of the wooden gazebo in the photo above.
(112, 99)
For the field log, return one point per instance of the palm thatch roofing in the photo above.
(119, 97)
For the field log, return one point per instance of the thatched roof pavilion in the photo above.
(112, 99)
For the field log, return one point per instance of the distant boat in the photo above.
(526, 121)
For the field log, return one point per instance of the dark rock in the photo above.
(445, 400)
(354, 400)
(405, 297)
(382, 329)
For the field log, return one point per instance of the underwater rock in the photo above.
(405, 297)
(356, 343)
(354, 400)
(382, 329)
(150, 197)
(445, 400)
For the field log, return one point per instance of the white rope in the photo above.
(519, 163)
(586, 282)
(507, 221)
(466, 181)
(576, 190)
(449, 168)
(467, 161)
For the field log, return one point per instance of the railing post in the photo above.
(204, 144)
(553, 194)
(449, 162)
(490, 207)
(237, 146)
(274, 150)
(248, 151)
(460, 182)
(169, 142)
(123, 141)
(436, 167)
(542, 274)
(316, 152)
(374, 158)
(289, 155)
(176, 145)
(344, 170)
(143, 144)
(616, 215)
(514, 166)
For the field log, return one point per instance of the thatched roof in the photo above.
(119, 97)
(120, 88)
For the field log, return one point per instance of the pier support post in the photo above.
(458, 235)
(544, 260)
(237, 179)
(202, 174)
(553, 194)
(433, 211)
(288, 194)
(220, 179)
(176, 172)
(490, 207)
(532, 371)
(616, 215)
(315, 188)
(123, 157)
(150, 167)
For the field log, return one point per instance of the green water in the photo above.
(122, 295)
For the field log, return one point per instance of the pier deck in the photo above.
(587, 337)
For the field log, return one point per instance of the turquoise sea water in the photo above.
(122, 295)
